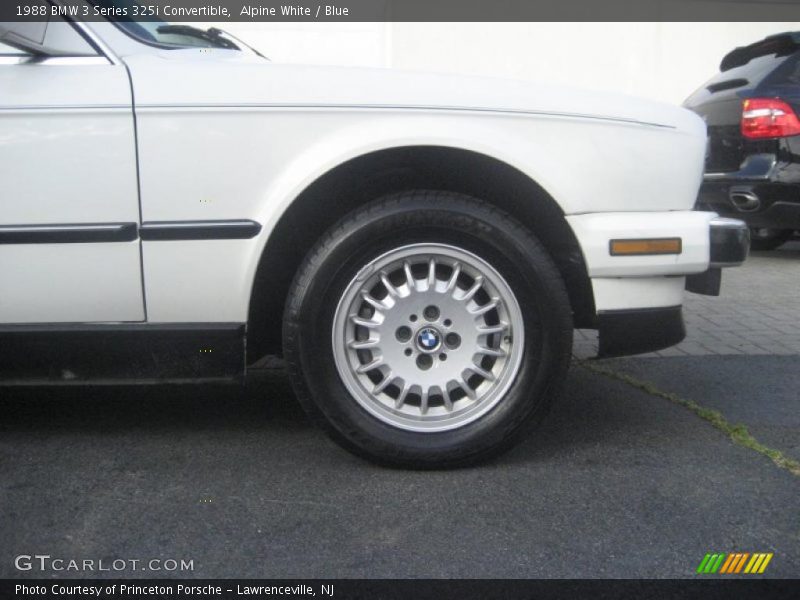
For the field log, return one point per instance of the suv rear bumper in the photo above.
(763, 193)
(776, 206)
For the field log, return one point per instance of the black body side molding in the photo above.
(76, 233)
(199, 230)
(635, 331)
(121, 353)
(92, 233)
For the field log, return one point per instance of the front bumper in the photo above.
(729, 244)
(638, 298)
(639, 330)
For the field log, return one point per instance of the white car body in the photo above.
(418, 247)
(142, 135)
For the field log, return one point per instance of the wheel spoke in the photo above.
(364, 322)
(498, 352)
(401, 398)
(448, 403)
(462, 383)
(473, 290)
(373, 364)
(451, 284)
(490, 329)
(363, 344)
(393, 291)
(487, 375)
(482, 310)
(423, 402)
(374, 302)
(384, 383)
(431, 273)
(410, 281)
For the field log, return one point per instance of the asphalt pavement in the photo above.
(624, 479)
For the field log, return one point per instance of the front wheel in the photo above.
(428, 329)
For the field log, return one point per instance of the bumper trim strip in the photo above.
(639, 330)
(730, 242)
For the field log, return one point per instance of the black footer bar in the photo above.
(389, 589)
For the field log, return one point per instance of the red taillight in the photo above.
(768, 118)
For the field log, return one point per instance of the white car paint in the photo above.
(68, 155)
(284, 126)
(223, 135)
(595, 230)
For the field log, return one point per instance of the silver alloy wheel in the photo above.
(428, 337)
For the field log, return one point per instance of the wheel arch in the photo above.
(363, 178)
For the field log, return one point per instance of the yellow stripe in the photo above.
(727, 562)
(741, 562)
(760, 560)
(752, 562)
(765, 563)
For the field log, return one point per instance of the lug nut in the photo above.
(403, 334)
(431, 313)
(452, 340)
(424, 361)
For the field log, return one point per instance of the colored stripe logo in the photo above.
(734, 563)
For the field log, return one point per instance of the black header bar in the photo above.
(223, 11)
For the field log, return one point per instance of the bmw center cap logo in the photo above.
(428, 339)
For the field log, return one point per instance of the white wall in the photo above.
(351, 44)
(665, 61)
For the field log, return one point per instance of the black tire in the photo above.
(438, 217)
(764, 238)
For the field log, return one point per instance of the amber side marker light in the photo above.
(645, 247)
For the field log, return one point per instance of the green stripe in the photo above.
(711, 562)
(703, 563)
(719, 563)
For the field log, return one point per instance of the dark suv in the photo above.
(753, 156)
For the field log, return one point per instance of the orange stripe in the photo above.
(724, 568)
(735, 561)
(741, 562)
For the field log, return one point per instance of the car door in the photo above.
(69, 207)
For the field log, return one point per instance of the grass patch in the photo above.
(738, 433)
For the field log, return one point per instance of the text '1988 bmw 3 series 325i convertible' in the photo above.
(418, 247)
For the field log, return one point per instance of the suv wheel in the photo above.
(427, 329)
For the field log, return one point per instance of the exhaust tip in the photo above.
(744, 199)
